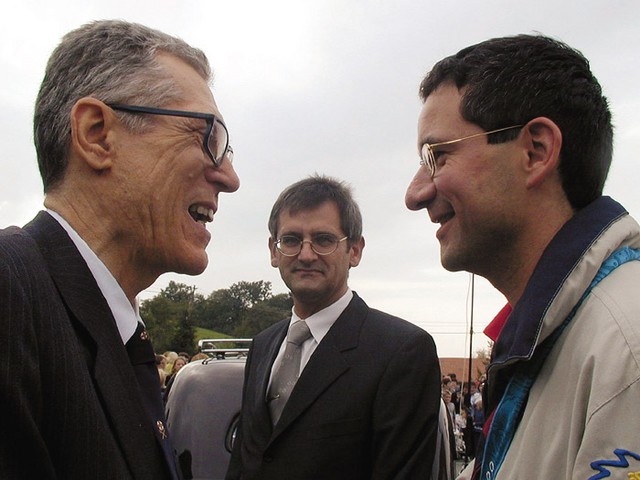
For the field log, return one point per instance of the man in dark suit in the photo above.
(128, 189)
(367, 399)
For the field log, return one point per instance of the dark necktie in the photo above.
(142, 358)
(289, 370)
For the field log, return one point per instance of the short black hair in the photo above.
(511, 80)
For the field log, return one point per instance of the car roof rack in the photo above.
(223, 347)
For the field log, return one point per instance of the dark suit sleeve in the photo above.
(405, 420)
(70, 405)
(23, 453)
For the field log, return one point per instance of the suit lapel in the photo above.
(89, 312)
(326, 364)
(264, 368)
(271, 345)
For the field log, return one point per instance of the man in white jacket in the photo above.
(515, 138)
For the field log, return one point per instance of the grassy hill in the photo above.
(201, 333)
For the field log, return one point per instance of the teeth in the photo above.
(207, 212)
(201, 214)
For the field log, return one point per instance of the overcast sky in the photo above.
(329, 87)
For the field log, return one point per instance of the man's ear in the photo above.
(543, 140)
(356, 252)
(91, 128)
(272, 251)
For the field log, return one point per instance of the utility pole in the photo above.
(471, 333)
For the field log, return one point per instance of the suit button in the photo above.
(268, 458)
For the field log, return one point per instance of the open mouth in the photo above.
(201, 214)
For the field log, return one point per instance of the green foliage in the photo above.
(251, 293)
(183, 338)
(175, 316)
(258, 318)
(168, 318)
(160, 318)
(282, 301)
(221, 311)
(180, 293)
(264, 314)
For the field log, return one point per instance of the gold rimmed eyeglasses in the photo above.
(428, 155)
(321, 244)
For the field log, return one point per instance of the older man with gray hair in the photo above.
(133, 154)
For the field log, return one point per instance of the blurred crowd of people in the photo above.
(169, 364)
(463, 402)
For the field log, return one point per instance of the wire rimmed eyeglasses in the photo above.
(323, 244)
(215, 140)
(428, 155)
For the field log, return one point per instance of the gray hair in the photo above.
(312, 192)
(110, 60)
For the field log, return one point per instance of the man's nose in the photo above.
(224, 176)
(306, 252)
(420, 191)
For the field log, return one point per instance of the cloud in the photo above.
(328, 87)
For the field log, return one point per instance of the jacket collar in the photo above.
(568, 248)
(327, 363)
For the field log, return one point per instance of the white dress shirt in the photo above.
(319, 323)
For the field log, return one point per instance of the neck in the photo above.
(305, 307)
(105, 241)
(512, 276)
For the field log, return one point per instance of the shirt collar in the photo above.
(495, 327)
(321, 322)
(126, 315)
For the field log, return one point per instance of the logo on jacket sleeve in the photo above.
(603, 466)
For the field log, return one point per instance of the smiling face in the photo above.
(474, 195)
(167, 186)
(316, 281)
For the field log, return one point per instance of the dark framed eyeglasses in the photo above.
(428, 156)
(215, 140)
(322, 244)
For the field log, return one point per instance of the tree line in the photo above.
(240, 311)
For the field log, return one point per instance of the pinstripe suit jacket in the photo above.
(70, 404)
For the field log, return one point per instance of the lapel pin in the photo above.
(161, 429)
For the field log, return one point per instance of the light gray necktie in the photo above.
(289, 370)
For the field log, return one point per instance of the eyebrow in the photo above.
(430, 140)
(312, 234)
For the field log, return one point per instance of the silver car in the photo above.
(203, 407)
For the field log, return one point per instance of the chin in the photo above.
(309, 295)
(193, 265)
(454, 263)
